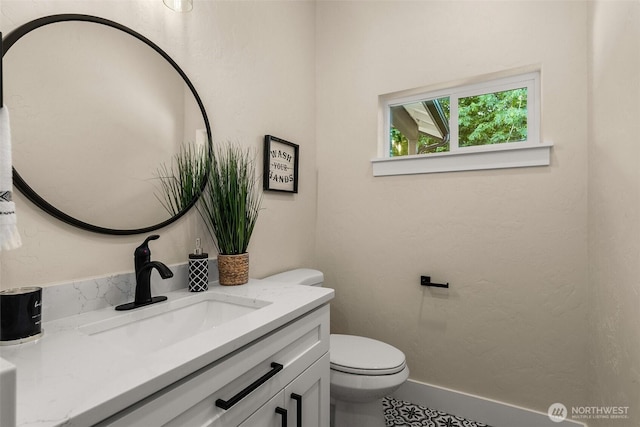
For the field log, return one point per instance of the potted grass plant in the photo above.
(229, 203)
(229, 206)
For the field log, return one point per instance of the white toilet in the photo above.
(363, 370)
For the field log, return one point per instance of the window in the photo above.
(493, 123)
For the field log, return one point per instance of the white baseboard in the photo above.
(476, 408)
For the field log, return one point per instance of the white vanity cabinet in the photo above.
(282, 374)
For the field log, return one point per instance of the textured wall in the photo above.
(614, 209)
(512, 243)
(253, 66)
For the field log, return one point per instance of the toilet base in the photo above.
(349, 414)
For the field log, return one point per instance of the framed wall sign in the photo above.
(280, 165)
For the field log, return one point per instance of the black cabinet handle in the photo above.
(298, 399)
(282, 412)
(226, 404)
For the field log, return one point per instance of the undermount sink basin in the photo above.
(160, 325)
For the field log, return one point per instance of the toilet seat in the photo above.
(364, 356)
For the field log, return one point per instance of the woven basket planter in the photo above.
(233, 269)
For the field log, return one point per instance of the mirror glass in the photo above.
(95, 112)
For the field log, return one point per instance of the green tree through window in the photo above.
(492, 118)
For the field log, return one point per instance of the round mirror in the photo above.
(96, 111)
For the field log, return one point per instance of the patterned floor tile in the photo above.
(404, 414)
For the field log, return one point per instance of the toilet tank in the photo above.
(300, 276)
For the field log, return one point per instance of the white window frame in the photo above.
(531, 152)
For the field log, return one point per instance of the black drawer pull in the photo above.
(282, 412)
(298, 399)
(226, 404)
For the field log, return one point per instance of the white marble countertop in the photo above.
(68, 378)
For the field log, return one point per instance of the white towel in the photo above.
(9, 236)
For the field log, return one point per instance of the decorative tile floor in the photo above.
(404, 414)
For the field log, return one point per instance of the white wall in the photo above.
(253, 66)
(614, 208)
(512, 243)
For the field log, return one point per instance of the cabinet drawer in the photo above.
(192, 400)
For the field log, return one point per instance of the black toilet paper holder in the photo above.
(426, 281)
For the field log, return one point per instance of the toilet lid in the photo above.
(364, 356)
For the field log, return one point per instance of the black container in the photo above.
(20, 314)
(198, 272)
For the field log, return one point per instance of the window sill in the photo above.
(504, 157)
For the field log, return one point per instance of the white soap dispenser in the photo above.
(198, 269)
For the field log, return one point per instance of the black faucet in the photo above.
(144, 265)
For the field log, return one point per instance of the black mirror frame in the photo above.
(11, 38)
